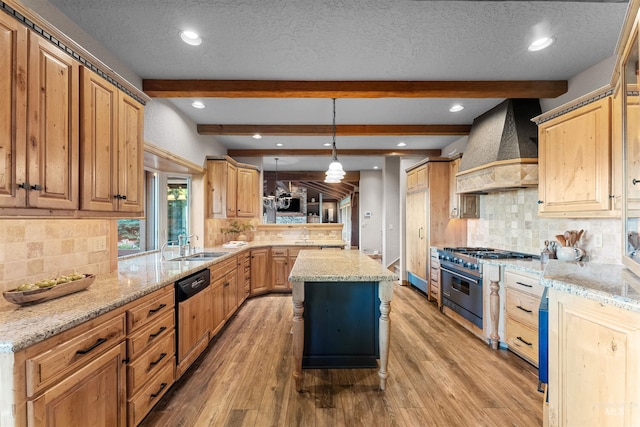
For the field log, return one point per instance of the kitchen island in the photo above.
(342, 289)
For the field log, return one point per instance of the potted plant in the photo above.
(237, 228)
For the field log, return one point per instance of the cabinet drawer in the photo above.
(159, 303)
(222, 268)
(49, 366)
(523, 340)
(435, 275)
(149, 363)
(279, 252)
(149, 395)
(149, 335)
(524, 283)
(522, 307)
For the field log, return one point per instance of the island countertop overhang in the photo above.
(338, 266)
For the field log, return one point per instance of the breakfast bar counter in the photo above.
(337, 321)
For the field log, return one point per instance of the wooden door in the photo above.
(130, 155)
(98, 142)
(230, 293)
(13, 112)
(193, 323)
(416, 234)
(574, 160)
(232, 190)
(594, 363)
(93, 395)
(260, 279)
(247, 193)
(217, 304)
(280, 273)
(52, 127)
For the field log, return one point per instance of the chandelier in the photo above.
(280, 200)
(335, 173)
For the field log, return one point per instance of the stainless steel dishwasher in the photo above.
(193, 302)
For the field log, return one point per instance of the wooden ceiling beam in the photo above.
(341, 130)
(327, 152)
(307, 176)
(162, 88)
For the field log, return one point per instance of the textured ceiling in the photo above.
(348, 40)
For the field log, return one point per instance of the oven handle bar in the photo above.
(459, 275)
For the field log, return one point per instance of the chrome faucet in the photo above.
(305, 233)
(184, 244)
(163, 246)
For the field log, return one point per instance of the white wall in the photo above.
(370, 201)
(391, 199)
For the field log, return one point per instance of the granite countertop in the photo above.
(137, 276)
(534, 266)
(338, 266)
(610, 284)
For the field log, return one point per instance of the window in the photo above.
(177, 207)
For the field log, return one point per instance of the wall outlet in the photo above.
(597, 240)
(99, 243)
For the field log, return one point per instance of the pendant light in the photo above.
(280, 200)
(335, 173)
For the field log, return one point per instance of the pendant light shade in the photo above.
(335, 173)
(281, 199)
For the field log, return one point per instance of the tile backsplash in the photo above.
(509, 220)
(33, 249)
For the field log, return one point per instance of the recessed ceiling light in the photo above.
(190, 37)
(541, 43)
(402, 144)
(327, 144)
(197, 104)
(257, 136)
(456, 108)
(375, 167)
(279, 144)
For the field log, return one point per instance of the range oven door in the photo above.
(463, 295)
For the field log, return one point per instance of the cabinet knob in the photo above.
(540, 202)
(635, 181)
(36, 187)
(24, 186)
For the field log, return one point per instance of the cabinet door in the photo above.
(416, 234)
(130, 155)
(280, 272)
(594, 363)
(193, 322)
(247, 193)
(98, 142)
(232, 190)
(260, 280)
(230, 293)
(52, 127)
(574, 160)
(217, 304)
(93, 395)
(13, 120)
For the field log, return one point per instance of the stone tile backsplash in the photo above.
(33, 249)
(509, 220)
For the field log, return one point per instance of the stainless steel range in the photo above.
(461, 278)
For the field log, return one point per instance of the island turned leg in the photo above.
(385, 292)
(494, 300)
(298, 332)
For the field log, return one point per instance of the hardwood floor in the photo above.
(440, 375)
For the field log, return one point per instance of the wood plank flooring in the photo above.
(440, 375)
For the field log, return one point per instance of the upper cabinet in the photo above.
(39, 113)
(461, 205)
(575, 163)
(111, 147)
(233, 189)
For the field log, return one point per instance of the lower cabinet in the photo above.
(260, 279)
(434, 277)
(243, 267)
(594, 363)
(523, 293)
(280, 269)
(224, 292)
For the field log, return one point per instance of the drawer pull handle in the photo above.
(162, 356)
(524, 309)
(100, 341)
(161, 330)
(157, 393)
(527, 343)
(524, 284)
(155, 310)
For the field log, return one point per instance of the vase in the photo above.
(241, 237)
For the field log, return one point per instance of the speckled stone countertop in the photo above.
(23, 326)
(610, 284)
(338, 266)
(530, 266)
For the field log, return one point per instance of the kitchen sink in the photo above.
(303, 242)
(200, 256)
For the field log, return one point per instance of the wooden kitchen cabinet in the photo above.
(194, 326)
(418, 179)
(248, 193)
(428, 220)
(243, 267)
(523, 293)
(260, 277)
(280, 269)
(111, 147)
(575, 176)
(233, 189)
(461, 205)
(224, 296)
(594, 361)
(434, 278)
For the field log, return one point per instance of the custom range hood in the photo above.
(502, 151)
